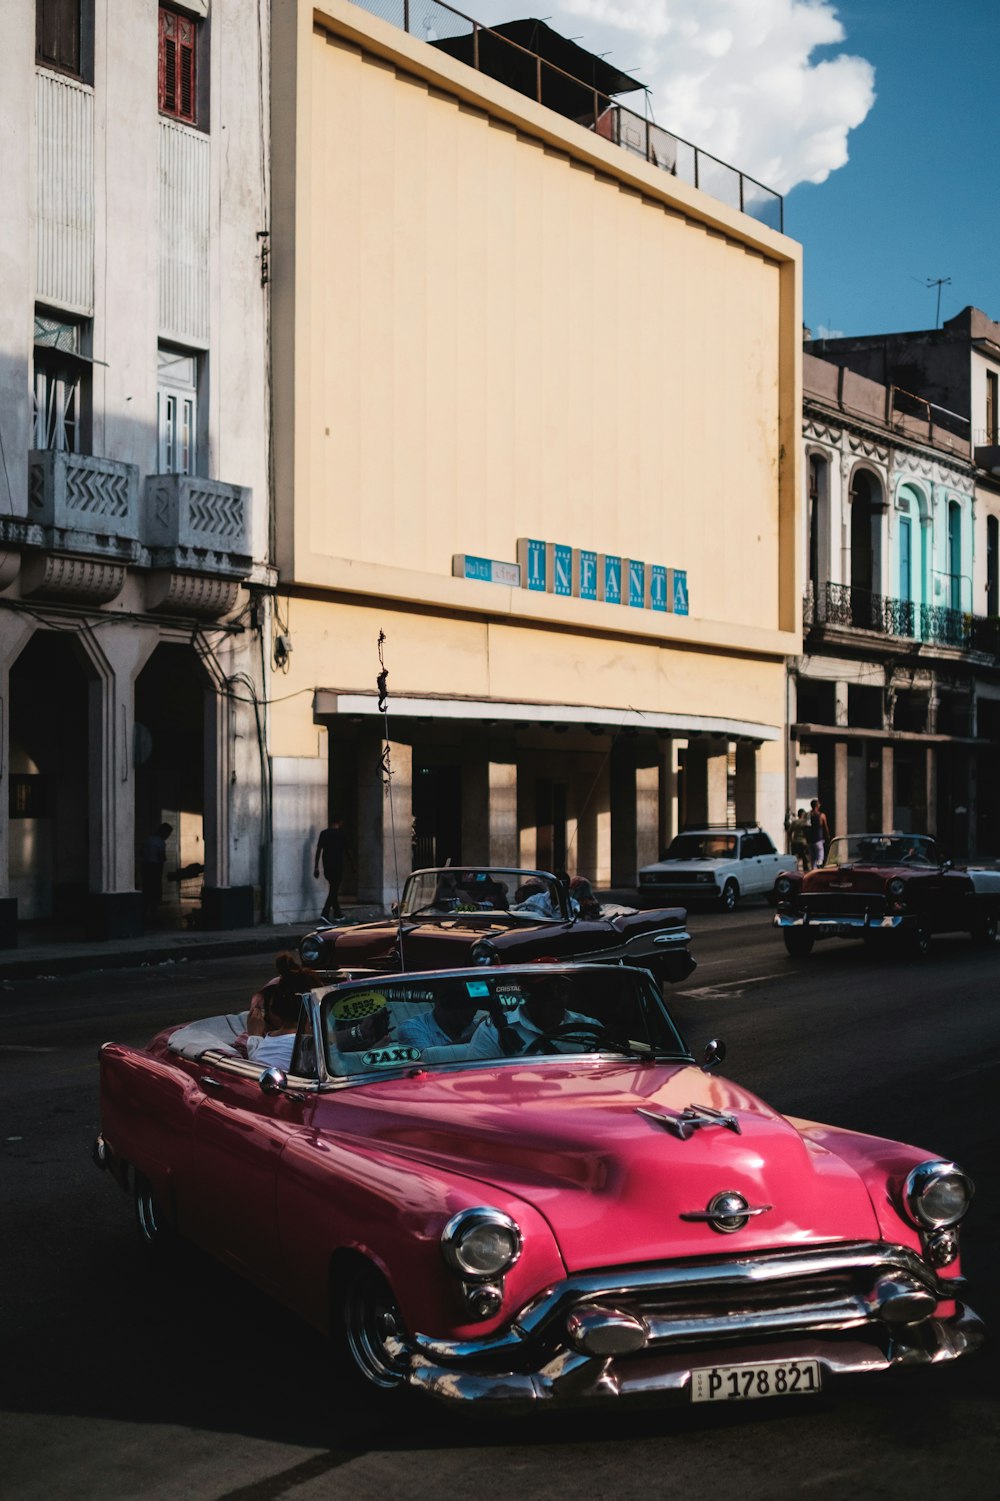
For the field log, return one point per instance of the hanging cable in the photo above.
(382, 683)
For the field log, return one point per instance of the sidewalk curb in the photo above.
(43, 962)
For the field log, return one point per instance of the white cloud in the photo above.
(736, 77)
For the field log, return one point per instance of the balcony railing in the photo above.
(860, 609)
(443, 26)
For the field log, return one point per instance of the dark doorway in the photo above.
(437, 815)
(49, 801)
(169, 754)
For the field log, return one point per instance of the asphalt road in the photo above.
(121, 1380)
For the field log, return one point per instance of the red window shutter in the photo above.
(177, 55)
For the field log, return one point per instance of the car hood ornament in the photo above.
(687, 1122)
(727, 1211)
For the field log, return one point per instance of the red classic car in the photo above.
(875, 886)
(454, 916)
(515, 1186)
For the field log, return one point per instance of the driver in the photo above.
(533, 1026)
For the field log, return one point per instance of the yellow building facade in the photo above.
(536, 408)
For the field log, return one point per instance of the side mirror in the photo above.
(714, 1054)
(394, 909)
(947, 864)
(273, 1081)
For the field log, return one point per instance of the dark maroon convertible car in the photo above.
(452, 917)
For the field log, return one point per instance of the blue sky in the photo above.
(920, 194)
(877, 119)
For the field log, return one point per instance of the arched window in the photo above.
(954, 555)
(818, 514)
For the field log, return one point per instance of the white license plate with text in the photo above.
(742, 1383)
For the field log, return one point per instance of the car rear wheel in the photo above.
(370, 1327)
(155, 1233)
(730, 896)
(798, 943)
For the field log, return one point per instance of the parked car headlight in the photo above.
(484, 952)
(481, 1243)
(782, 885)
(897, 887)
(705, 876)
(937, 1194)
(310, 949)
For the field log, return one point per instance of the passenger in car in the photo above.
(273, 1018)
(450, 1020)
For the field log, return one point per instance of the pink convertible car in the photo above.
(516, 1186)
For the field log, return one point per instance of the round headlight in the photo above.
(484, 952)
(937, 1194)
(309, 950)
(897, 887)
(481, 1243)
(782, 885)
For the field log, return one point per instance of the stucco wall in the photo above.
(495, 338)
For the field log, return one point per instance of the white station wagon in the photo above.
(716, 864)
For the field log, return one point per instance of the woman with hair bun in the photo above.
(274, 1013)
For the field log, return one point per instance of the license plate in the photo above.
(741, 1383)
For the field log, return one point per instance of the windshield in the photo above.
(882, 849)
(525, 893)
(702, 847)
(477, 1016)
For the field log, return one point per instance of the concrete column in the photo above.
(502, 795)
(17, 631)
(647, 817)
(623, 811)
(718, 771)
(669, 788)
(696, 783)
(841, 818)
(840, 714)
(117, 658)
(385, 819)
(489, 810)
(746, 783)
(888, 798)
(931, 789)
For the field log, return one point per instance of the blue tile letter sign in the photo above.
(680, 591)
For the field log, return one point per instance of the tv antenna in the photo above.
(939, 282)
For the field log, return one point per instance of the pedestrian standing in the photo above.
(819, 833)
(331, 851)
(798, 831)
(152, 859)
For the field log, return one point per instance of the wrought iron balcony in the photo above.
(842, 605)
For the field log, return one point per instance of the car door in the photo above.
(751, 877)
(768, 862)
(240, 1134)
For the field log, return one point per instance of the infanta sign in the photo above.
(554, 568)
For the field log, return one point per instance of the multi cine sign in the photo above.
(576, 572)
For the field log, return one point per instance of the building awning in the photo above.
(567, 86)
(328, 702)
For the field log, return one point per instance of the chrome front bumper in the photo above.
(849, 925)
(856, 1309)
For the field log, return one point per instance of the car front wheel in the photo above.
(798, 943)
(985, 930)
(918, 941)
(370, 1329)
(730, 896)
